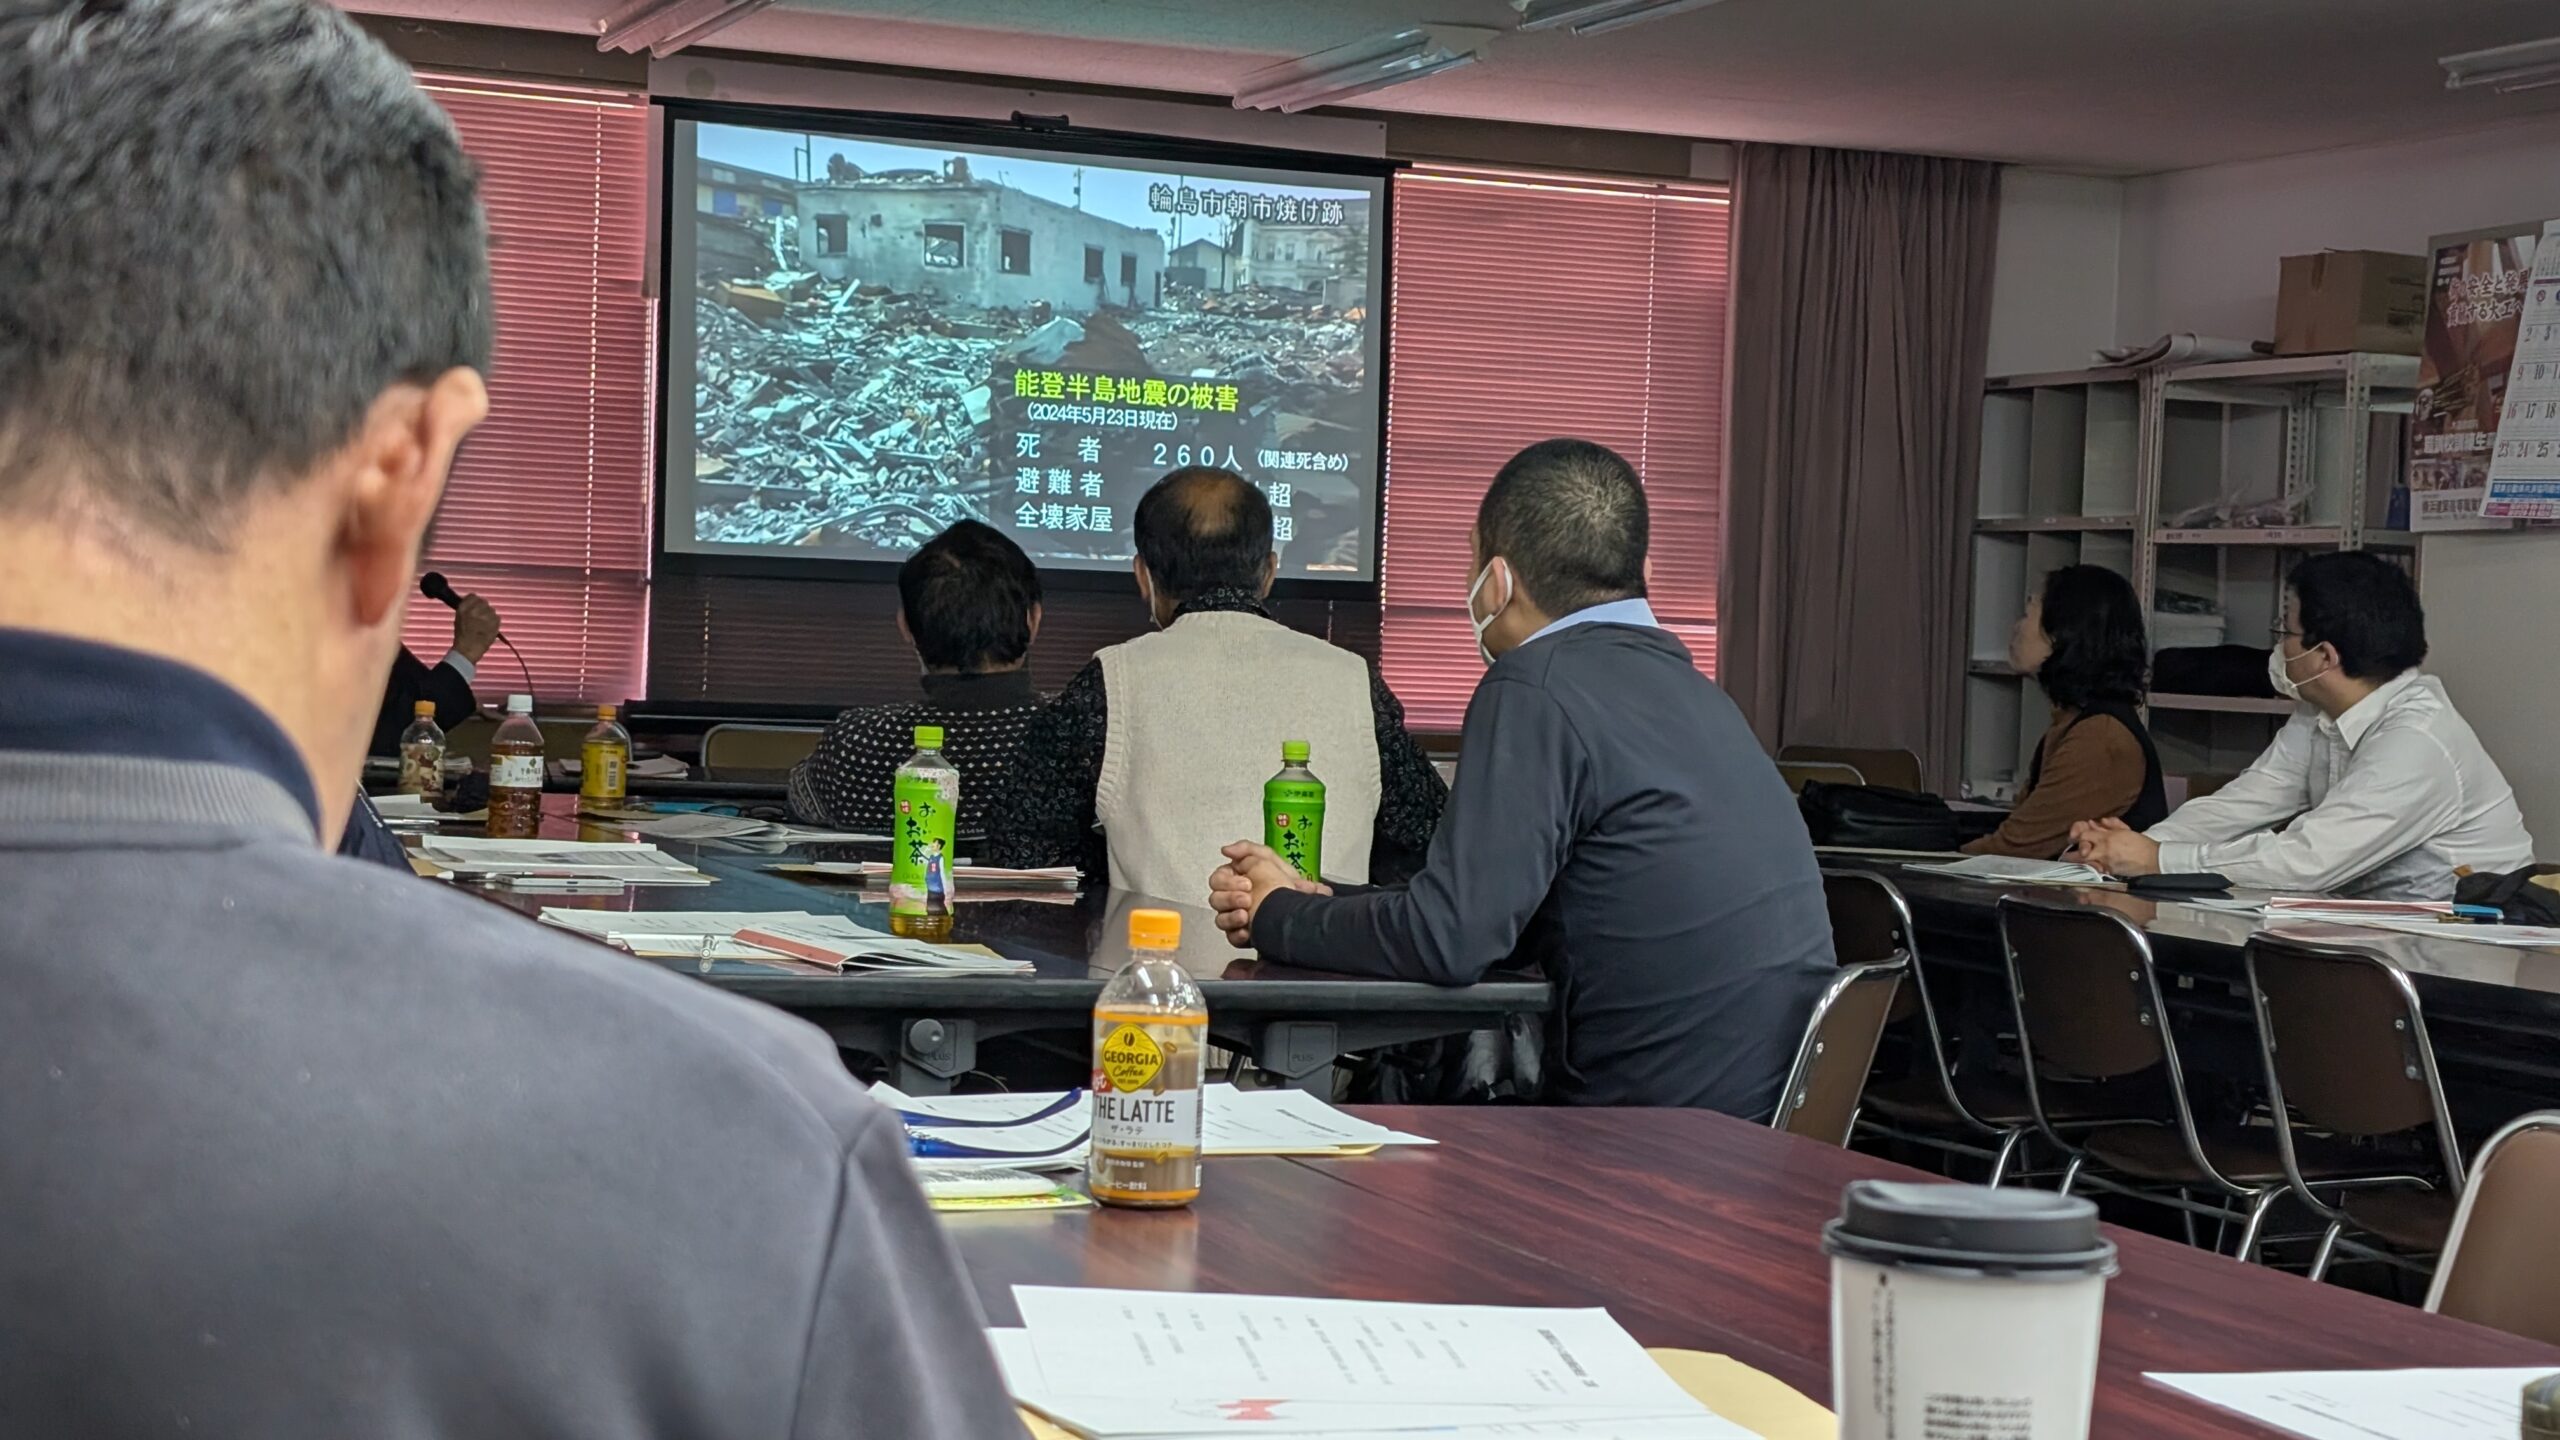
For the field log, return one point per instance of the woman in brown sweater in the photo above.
(2082, 639)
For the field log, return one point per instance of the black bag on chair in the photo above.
(1876, 817)
(2514, 895)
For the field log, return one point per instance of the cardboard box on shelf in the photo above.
(2338, 300)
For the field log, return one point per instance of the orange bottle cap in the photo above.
(423, 707)
(1154, 929)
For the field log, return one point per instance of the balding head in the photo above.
(1202, 529)
(1570, 518)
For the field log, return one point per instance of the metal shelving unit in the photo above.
(2255, 465)
(2201, 484)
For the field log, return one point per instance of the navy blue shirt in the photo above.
(77, 697)
(1614, 822)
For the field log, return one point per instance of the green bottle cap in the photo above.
(1294, 752)
(928, 737)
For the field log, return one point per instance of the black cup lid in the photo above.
(1968, 1227)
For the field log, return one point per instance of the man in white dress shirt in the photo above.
(2386, 787)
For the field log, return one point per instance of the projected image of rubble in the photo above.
(910, 337)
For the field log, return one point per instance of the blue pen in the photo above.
(930, 1147)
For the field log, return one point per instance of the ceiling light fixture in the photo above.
(2505, 68)
(663, 27)
(1598, 17)
(1362, 66)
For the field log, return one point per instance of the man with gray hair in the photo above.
(298, 1146)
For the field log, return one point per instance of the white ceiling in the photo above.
(2101, 86)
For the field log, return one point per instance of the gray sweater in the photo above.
(1614, 822)
(292, 1145)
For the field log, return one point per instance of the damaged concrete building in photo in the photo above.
(977, 242)
(854, 385)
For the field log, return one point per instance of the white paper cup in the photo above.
(1958, 1311)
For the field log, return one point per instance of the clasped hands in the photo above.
(1252, 874)
(2113, 848)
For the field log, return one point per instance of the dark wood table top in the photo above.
(2456, 972)
(1696, 1230)
(1077, 940)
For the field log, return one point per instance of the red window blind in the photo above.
(1529, 307)
(548, 510)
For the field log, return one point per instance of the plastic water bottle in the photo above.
(923, 829)
(1150, 1036)
(1293, 812)
(604, 760)
(422, 754)
(515, 774)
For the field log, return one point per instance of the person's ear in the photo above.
(1270, 572)
(1034, 619)
(904, 632)
(395, 469)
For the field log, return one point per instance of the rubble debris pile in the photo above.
(847, 417)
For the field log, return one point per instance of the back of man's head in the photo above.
(1570, 517)
(1201, 529)
(968, 597)
(2363, 606)
(226, 227)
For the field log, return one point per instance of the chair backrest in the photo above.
(1897, 768)
(2088, 1000)
(757, 747)
(2345, 1044)
(2501, 1264)
(1799, 775)
(1839, 1046)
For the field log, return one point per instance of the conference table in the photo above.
(1697, 1231)
(1293, 1023)
(2492, 1011)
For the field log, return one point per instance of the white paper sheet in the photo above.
(1283, 1122)
(2371, 1404)
(418, 807)
(700, 826)
(1169, 1346)
(1232, 1121)
(2007, 870)
(637, 864)
(1023, 1376)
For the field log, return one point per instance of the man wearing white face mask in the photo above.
(1613, 821)
(1144, 764)
(2387, 789)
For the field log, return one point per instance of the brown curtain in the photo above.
(1861, 313)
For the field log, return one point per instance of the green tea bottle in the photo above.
(1293, 811)
(924, 819)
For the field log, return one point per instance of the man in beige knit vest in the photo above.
(1163, 742)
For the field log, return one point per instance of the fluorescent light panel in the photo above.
(1361, 67)
(663, 27)
(2505, 68)
(1599, 17)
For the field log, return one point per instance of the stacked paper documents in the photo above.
(1048, 1130)
(632, 863)
(1111, 1363)
(699, 825)
(2435, 919)
(2008, 870)
(790, 938)
(398, 810)
(876, 872)
(2361, 1404)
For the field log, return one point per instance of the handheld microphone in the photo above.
(434, 586)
